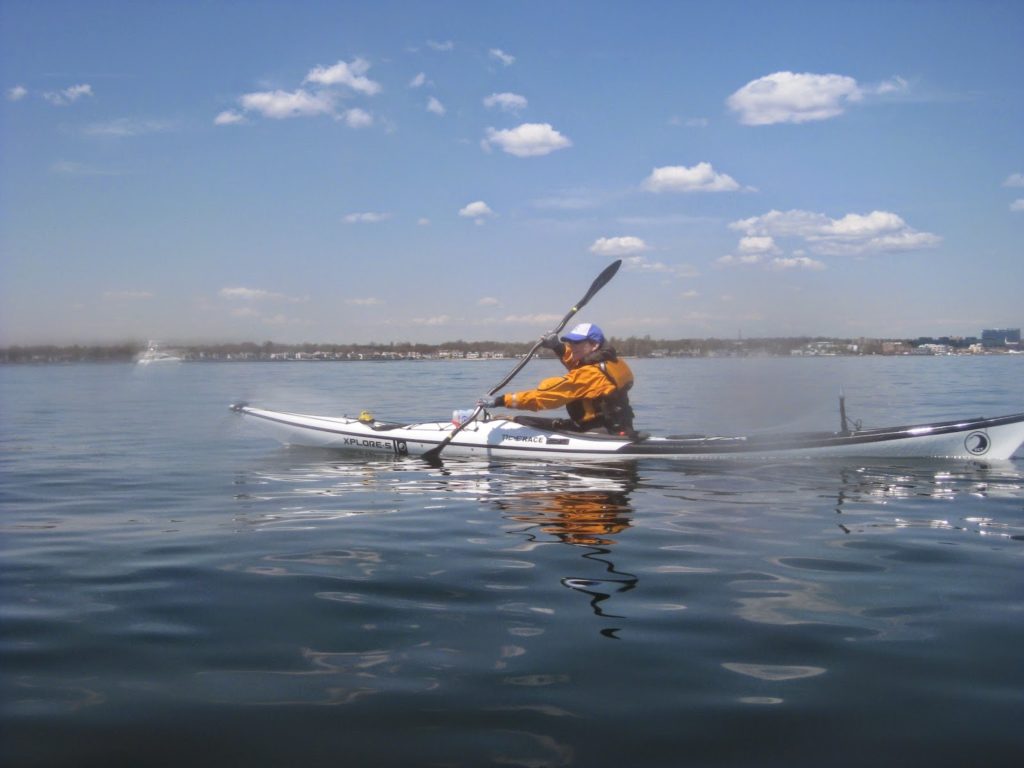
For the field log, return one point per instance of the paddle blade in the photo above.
(433, 457)
(600, 282)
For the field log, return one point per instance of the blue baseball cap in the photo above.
(584, 331)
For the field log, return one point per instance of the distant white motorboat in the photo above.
(153, 355)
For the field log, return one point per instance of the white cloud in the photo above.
(782, 224)
(369, 301)
(528, 140)
(245, 294)
(536, 319)
(1014, 180)
(433, 321)
(788, 97)
(280, 105)
(906, 240)
(229, 117)
(877, 231)
(509, 102)
(446, 45)
(357, 118)
(321, 100)
(797, 262)
(369, 217)
(1017, 205)
(642, 264)
(75, 92)
(488, 301)
(435, 106)
(476, 210)
(17, 93)
(240, 293)
(423, 222)
(500, 55)
(700, 178)
(349, 75)
(856, 225)
(852, 235)
(419, 81)
(731, 260)
(68, 95)
(895, 84)
(125, 127)
(618, 246)
(752, 244)
(629, 249)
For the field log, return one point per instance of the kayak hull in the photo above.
(979, 438)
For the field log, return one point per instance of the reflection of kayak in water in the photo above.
(979, 438)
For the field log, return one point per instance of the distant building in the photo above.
(933, 349)
(1000, 337)
(895, 348)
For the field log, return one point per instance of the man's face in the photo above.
(581, 349)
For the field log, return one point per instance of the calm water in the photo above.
(179, 590)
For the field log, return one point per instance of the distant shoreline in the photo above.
(488, 350)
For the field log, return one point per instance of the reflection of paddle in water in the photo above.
(585, 518)
(594, 587)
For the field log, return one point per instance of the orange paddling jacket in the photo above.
(594, 392)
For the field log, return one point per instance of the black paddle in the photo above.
(600, 282)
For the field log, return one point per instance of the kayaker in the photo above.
(594, 390)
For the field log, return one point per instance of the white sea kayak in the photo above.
(979, 438)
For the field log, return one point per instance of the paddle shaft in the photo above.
(599, 282)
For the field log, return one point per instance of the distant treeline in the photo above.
(72, 354)
(633, 346)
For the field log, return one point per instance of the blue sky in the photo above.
(399, 171)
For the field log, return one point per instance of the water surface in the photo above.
(177, 589)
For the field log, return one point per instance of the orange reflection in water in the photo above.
(590, 518)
